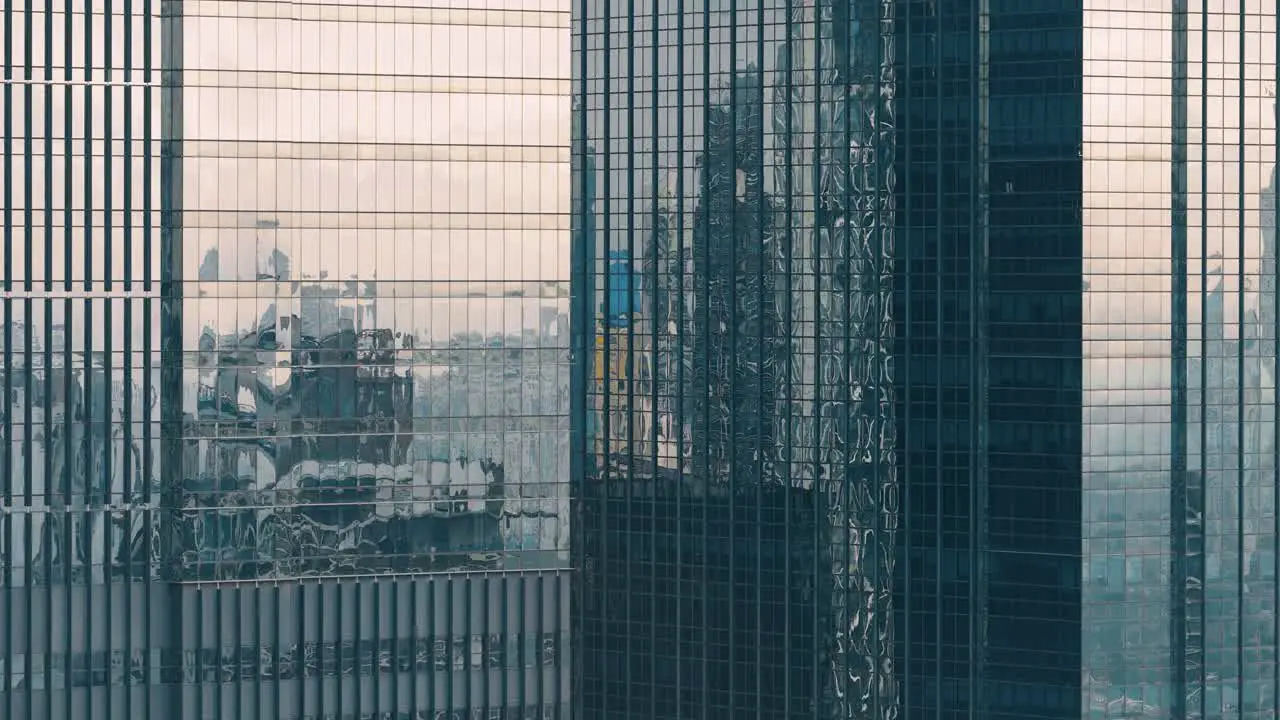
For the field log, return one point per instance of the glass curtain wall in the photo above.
(285, 336)
(734, 224)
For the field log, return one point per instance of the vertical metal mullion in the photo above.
(681, 341)
(433, 676)
(391, 589)
(336, 617)
(300, 650)
(480, 696)
(374, 640)
(788, 325)
(104, 476)
(149, 390)
(65, 512)
(127, 498)
(582, 356)
(1202, 489)
(46, 492)
(657, 507)
(628, 358)
(459, 620)
(46, 361)
(220, 640)
(258, 615)
(539, 622)
(504, 629)
(764, 302)
(604, 383)
(1178, 350)
(939, 327)
(1240, 377)
(108, 351)
(7, 451)
(28, 429)
(415, 634)
(359, 640)
(977, 357)
(820, 483)
(731, 366)
(321, 638)
(705, 390)
(906, 546)
(278, 653)
(87, 269)
(28, 496)
(195, 634)
(237, 591)
(9, 701)
(1275, 360)
(90, 504)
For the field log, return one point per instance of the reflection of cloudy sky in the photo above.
(1127, 213)
(501, 215)
(461, 177)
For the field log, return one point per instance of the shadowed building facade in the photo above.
(949, 387)
(736, 505)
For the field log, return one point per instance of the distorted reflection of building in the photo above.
(284, 365)
(304, 457)
(736, 464)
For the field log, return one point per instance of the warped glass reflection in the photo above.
(81, 500)
(323, 440)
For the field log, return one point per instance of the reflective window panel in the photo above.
(926, 356)
(285, 359)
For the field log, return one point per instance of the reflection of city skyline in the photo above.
(318, 425)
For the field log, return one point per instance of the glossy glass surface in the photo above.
(285, 299)
(734, 225)
(1072, 488)
(1180, 360)
(373, 269)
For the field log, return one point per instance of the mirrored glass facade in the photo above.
(286, 360)
(928, 357)
(734, 238)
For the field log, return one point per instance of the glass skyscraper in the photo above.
(286, 360)
(927, 359)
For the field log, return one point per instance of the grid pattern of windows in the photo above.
(373, 262)
(734, 220)
(285, 359)
(1073, 205)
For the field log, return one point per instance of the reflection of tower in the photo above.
(738, 349)
(840, 92)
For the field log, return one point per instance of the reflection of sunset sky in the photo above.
(1135, 496)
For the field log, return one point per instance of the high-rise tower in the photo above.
(735, 517)
(285, 431)
(1008, 353)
